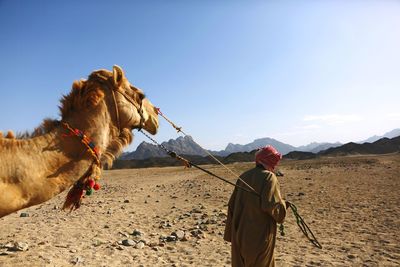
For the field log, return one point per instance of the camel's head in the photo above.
(134, 109)
(127, 105)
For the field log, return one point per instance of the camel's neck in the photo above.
(95, 124)
(34, 170)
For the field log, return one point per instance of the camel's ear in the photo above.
(78, 87)
(118, 75)
(10, 135)
(94, 97)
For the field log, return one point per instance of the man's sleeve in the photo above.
(271, 200)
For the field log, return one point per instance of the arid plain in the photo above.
(174, 216)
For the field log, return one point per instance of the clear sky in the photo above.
(227, 71)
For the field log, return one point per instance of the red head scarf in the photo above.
(268, 157)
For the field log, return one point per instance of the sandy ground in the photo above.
(351, 204)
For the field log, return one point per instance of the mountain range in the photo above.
(391, 134)
(187, 146)
(181, 145)
(382, 146)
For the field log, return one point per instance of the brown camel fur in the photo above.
(35, 169)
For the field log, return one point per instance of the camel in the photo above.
(104, 109)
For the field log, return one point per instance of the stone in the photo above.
(24, 214)
(8, 245)
(97, 242)
(179, 234)
(136, 232)
(128, 242)
(171, 238)
(19, 246)
(140, 245)
(152, 244)
(77, 260)
(212, 220)
(126, 201)
(196, 210)
(163, 237)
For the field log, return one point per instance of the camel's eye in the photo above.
(139, 92)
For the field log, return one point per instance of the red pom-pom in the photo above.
(91, 183)
(96, 186)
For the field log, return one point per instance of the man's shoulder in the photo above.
(269, 175)
(260, 172)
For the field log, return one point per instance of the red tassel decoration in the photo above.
(91, 183)
(96, 186)
(74, 197)
(86, 183)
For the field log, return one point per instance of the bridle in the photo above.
(139, 108)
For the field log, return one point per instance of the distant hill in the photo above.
(181, 145)
(315, 147)
(382, 146)
(300, 155)
(281, 147)
(391, 134)
(240, 157)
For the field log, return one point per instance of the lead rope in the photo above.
(303, 227)
(179, 130)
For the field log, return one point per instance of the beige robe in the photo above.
(251, 223)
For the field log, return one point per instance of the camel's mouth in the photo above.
(151, 123)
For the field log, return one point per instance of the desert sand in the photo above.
(174, 216)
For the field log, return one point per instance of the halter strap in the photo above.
(116, 111)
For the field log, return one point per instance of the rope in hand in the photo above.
(179, 130)
(299, 220)
(303, 227)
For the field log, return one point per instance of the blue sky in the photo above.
(227, 71)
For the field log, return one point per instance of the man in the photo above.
(251, 223)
